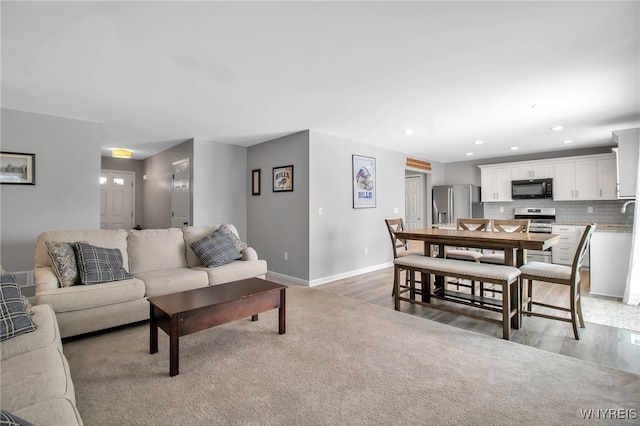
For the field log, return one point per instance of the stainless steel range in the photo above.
(541, 221)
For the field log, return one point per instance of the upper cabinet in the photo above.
(531, 171)
(496, 184)
(587, 177)
(627, 158)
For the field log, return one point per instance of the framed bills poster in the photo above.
(364, 182)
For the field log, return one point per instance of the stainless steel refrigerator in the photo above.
(451, 202)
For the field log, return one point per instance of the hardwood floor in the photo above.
(600, 344)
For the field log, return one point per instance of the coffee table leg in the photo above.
(153, 331)
(282, 312)
(174, 347)
(254, 317)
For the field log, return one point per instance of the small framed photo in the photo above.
(364, 182)
(17, 168)
(255, 182)
(283, 179)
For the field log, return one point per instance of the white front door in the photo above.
(181, 194)
(413, 201)
(116, 199)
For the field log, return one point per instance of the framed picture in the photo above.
(283, 179)
(255, 182)
(364, 182)
(17, 168)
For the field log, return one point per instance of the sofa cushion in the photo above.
(14, 320)
(155, 249)
(46, 333)
(167, 281)
(85, 297)
(99, 264)
(63, 259)
(236, 270)
(111, 238)
(196, 233)
(8, 419)
(53, 411)
(35, 376)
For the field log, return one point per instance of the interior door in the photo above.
(414, 202)
(116, 199)
(181, 194)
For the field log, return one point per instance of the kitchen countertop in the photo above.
(603, 227)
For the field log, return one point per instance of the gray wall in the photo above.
(341, 234)
(128, 165)
(219, 185)
(67, 190)
(156, 190)
(278, 222)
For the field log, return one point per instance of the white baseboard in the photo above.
(286, 279)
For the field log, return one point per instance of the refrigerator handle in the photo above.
(451, 207)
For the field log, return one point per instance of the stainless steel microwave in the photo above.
(531, 188)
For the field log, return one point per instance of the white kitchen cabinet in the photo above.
(495, 184)
(575, 180)
(627, 161)
(609, 262)
(607, 179)
(564, 252)
(531, 171)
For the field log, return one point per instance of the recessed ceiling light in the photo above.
(469, 154)
(408, 132)
(478, 142)
(567, 141)
(514, 148)
(556, 128)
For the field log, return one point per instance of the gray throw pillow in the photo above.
(63, 259)
(216, 249)
(14, 320)
(99, 264)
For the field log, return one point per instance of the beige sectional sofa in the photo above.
(160, 261)
(36, 385)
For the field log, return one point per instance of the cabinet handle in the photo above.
(572, 194)
(576, 193)
(601, 192)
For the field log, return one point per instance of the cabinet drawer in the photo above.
(562, 259)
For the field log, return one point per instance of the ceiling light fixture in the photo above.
(469, 154)
(514, 148)
(478, 142)
(121, 153)
(408, 132)
(556, 128)
(567, 141)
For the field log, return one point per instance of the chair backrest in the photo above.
(468, 224)
(581, 251)
(393, 226)
(511, 225)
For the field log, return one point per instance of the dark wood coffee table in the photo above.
(186, 312)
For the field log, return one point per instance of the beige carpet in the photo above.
(342, 362)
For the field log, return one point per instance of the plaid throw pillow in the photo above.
(99, 265)
(229, 233)
(216, 249)
(14, 320)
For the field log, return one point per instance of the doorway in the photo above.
(116, 199)
(414, 202)
(181, 194)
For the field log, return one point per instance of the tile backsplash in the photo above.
(605, 212)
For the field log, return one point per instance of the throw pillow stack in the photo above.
(219, 248)
(82, 263)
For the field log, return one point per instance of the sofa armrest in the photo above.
(249, 253)
(45, 279)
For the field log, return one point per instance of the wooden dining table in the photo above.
(514, 245)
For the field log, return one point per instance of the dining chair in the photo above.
(400, 246)
(557, 274)
(464, 253)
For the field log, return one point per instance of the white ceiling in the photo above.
(157, 73)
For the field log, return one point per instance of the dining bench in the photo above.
(505, 276)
